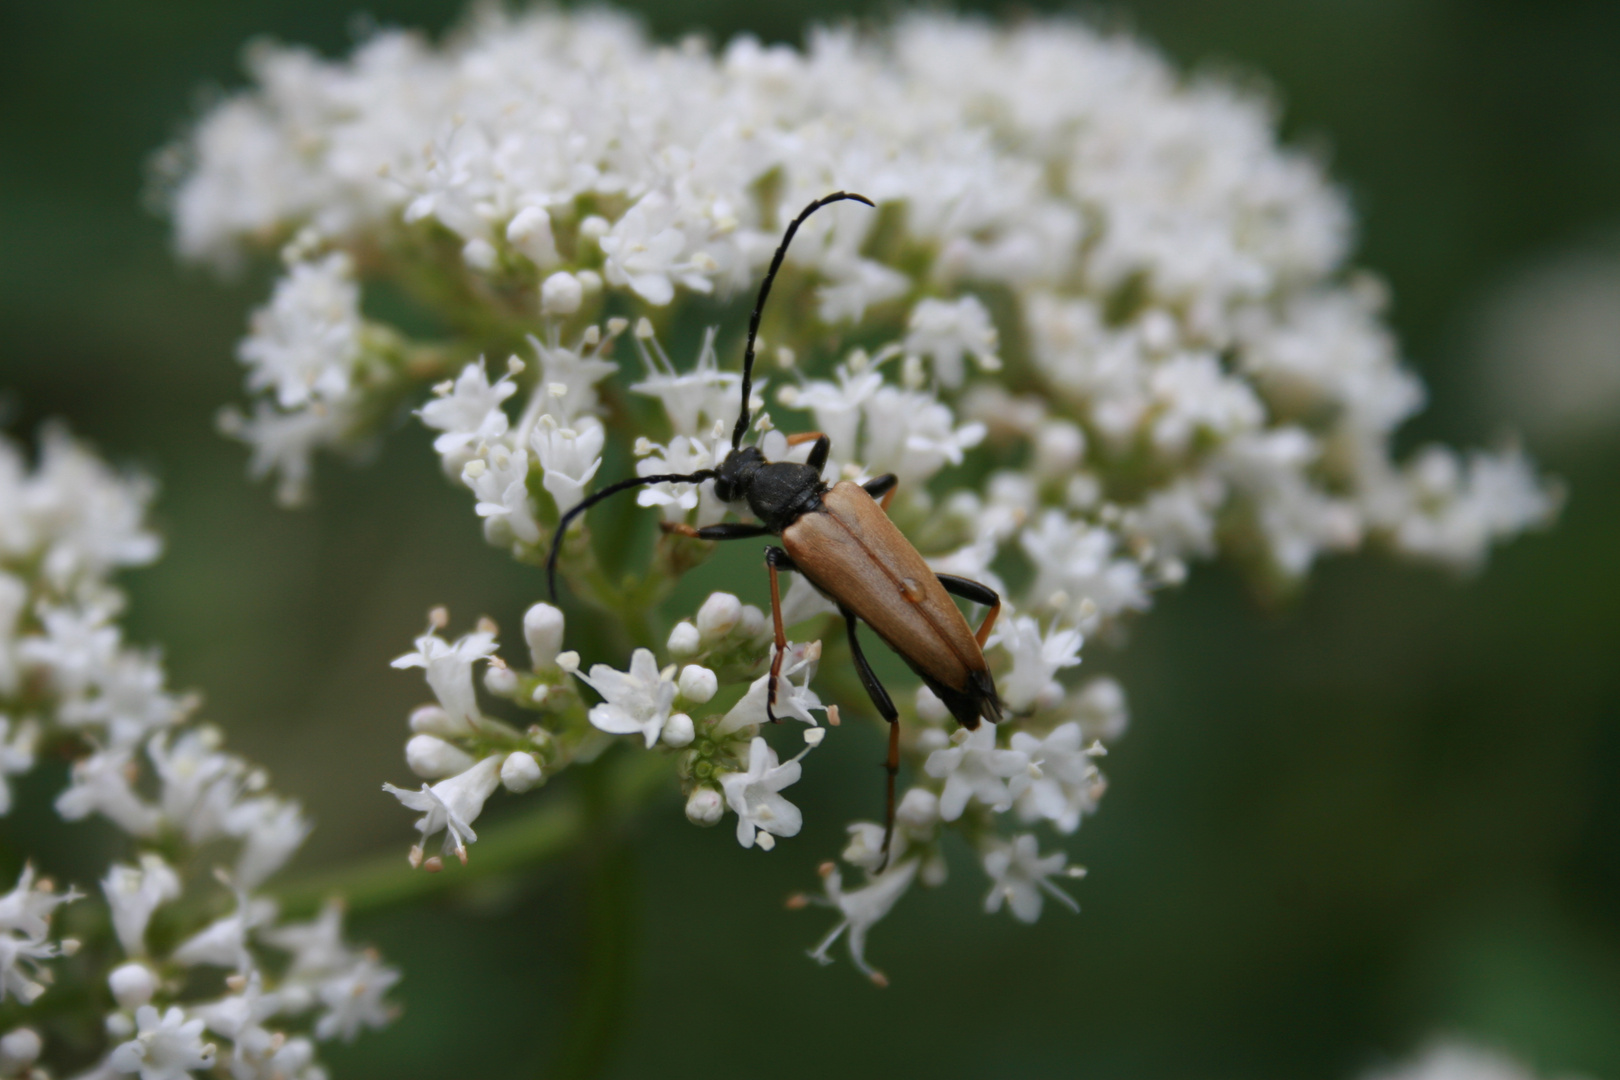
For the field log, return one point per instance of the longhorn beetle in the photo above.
(842, 541)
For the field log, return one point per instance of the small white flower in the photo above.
(101, 784)
(25, 915)
(468, 412)
(200, 784)
(305, 342)
(1101, 708)
(973, 769)
(223, 943)
(453, 804)
(1075, 562)
(912, 435)
(449, 672)
(754, 796)
(317, 946)
(635, 702)
(569, 457)
(693, 400)
(644, 249)
(90, 517)
(1068, 784)
(568, 379)
(240, 1018)
(271, 829)
(133, 894)
(77, 646)
(861, 909)
(1020, 876)
(946, 330)
(794, 700)
(284, 443)
(683, 455)
(129, 701)
(498, 476)
(1036, 658)
(353, 999)
(168, 1047)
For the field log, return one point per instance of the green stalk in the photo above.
(542, 836)
(610, 927)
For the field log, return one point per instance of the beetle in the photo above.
(839, 537)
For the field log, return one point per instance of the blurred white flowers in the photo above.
(68, 681)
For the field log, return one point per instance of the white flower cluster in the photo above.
(1106, 293)
(69, 683)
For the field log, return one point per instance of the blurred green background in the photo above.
(1389, 811)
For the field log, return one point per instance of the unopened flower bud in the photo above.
(698, 684)
(480, 254)
(19, 1050)
(919, 809)
(685, 640)
(719, 613)
(679, 730)
(1059, 447)
(865, 847)
(530, 232)
(543, 630)
(500, 680)
(433, 720)
(753, 621)
(520, 772)
(561, 294)
(705, 806)
(431, 758)
(132, 985)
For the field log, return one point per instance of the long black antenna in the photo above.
(744, 415)
(612, 489)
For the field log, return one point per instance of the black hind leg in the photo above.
(885, 707)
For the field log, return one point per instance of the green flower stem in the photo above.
(555, 827)
(610, 926)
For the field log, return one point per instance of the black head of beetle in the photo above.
(778, 492)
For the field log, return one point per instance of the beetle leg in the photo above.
(979, 594)
(882, 488)
(886, 709)
(776, 559)
(818, 453)
(731, 530)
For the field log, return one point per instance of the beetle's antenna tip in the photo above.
(743, 417)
